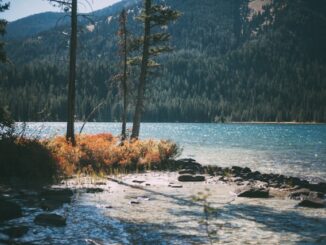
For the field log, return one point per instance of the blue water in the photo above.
(297, 150)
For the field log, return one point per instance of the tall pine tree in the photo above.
(155, 18)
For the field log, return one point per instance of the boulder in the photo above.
(9, 210)
(253, 192)
(16, 232)
(246, 170)
(50, 205)
(94, 190)
(320, 187)
(236, 169)
(191, 178)
(57, 192)
(304, 193)
(58, 195)
(50, 220)
(312, 203)
(188, 163)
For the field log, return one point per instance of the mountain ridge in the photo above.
(271, 72)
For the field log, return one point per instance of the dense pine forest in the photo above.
(231, 62)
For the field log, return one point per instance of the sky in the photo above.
(23, 8)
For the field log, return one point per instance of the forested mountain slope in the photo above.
(228, 64)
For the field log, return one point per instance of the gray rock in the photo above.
(9, 210)
(304, 193)
(57, 192)
(191, 178)
(138, 181)
(50, 220)
(312, 203)
(94, 190)
(57, 195)
(253, 192)
(175, 186)
(15, 232)
(50, 205)
(134, 202)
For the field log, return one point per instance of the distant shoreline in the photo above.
(286, 123)
(250, 122)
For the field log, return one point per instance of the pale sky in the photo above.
(22, 8)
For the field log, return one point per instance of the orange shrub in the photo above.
(103, 153)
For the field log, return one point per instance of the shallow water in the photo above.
(296, 150)
(166, 215)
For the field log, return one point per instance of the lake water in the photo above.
(296, 150)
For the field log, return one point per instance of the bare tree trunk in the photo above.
(143, 73)
(70, 136)
(124, 81)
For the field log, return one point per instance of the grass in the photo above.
(46, 160)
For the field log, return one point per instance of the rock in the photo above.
(297, 195)
(186, 160)
(57, 195)
(253, 192)
(312, 203)
(304, 193)
(188, 163)
(256, 175)
(50, 220)
(175, 186)
(236, 169)
(237, 179)
(187, 171)
(191, 178)
(138, 181)
(57, 192)
(100, 183)
(134, 202)
(94, 190)
(320, 187)
(50, 205)
(9, 210)
(15, 232)
(246, 170)
(274, 184)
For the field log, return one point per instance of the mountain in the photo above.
(31, 25)
(230, 63)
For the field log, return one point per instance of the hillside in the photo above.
(229, 64)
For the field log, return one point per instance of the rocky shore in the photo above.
(23, 212)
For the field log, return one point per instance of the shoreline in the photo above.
(158, 207)
(226, 123)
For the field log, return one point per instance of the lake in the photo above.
(290, 149)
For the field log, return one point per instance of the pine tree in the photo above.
(124, 55)
(153, 44)
(67, 4)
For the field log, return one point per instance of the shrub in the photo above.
(103, 153)
(26, 159)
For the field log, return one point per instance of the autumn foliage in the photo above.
(105, 153)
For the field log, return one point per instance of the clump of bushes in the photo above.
(36, 160)
(103, 153)
(26, 159)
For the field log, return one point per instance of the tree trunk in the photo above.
(70, 136)
(124, 81)
(143, 73)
